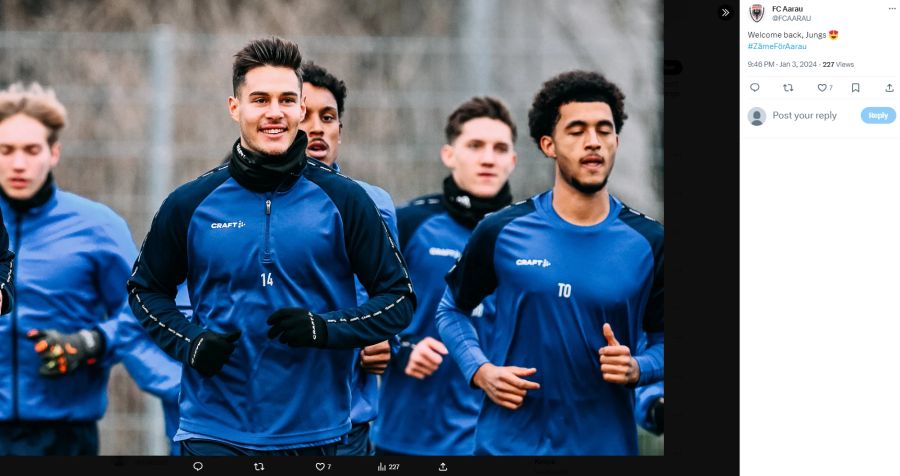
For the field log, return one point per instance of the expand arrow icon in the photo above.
(725, 12)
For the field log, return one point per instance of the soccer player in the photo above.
(578, 275)
(427, 406)
(269, 245)
(70, 323)
(324, 96)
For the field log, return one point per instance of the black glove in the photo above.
(211, 350)
(298, 327)
(62, 353)
(656, 415)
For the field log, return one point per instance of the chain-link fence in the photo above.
(147, 108)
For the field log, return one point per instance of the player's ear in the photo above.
(548, 147)
(448, 157)
(234, 108)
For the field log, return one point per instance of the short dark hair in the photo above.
(321, 78)
(572, 86)
(265, 52)
(474, 108)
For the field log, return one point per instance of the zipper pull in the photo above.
(268, 207)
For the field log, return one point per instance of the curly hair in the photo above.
(321, 78)
(37, 102)
(572, 86)
(474, 108)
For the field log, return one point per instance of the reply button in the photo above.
(878, 115)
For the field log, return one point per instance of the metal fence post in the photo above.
(478, 40)
(160, 168)
(160, 162)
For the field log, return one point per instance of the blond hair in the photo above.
(37, 102)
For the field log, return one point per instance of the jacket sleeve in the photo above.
(113, 255)
(650, 360)
(389, 214)
(469, 282)
(458, 333)
(151, 369)
(643, 398)
(473, 277)
(7, 288)
(380, 268)
(159, 268)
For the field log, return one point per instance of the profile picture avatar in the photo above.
(756, 116)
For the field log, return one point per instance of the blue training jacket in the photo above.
(364, 386)
(556, 285)
(246, 254)
(73, 259)
(437, 415)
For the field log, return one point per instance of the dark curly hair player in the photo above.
(578, 276)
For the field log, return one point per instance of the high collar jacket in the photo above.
(246, 254)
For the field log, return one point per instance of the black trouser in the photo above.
(49, 438)
(196, 447)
